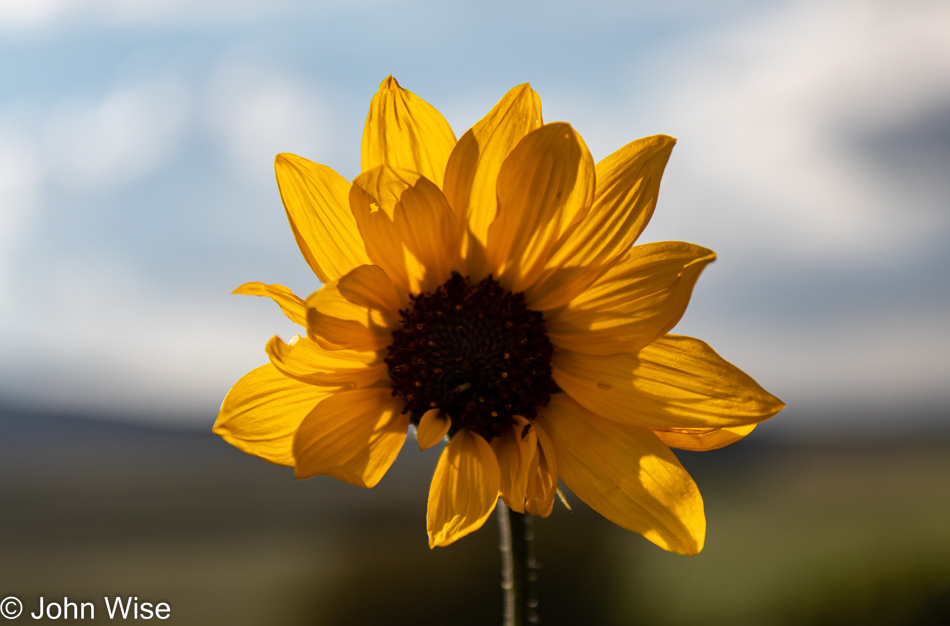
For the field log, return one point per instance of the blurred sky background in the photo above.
(136, 179)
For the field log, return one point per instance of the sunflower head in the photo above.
(473, 351)
(488, 290)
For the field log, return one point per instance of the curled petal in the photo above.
(542, 478)
(403, 130)
(408, 226)
(292, 306)
(433, 427)
(263, 410)
(640, 298)
(516, 449)
(309, 362)
(626, 474)
(628, 183)
(675, 382)
(464, 489)
(352, 435)
(316, 201)
(545, 188)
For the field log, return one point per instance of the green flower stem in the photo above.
(518, 567)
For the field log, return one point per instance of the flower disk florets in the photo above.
(475, 352)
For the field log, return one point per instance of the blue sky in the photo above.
(136, 178)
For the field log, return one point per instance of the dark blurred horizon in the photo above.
(798, 533)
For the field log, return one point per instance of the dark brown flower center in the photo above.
(476, 352)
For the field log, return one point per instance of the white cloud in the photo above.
(21, 177)
(259, 111)
(108, 142)
(32, 15)
(767, 111)
(81, 143)
(92, 335)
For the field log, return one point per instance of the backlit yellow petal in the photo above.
(542, 479)
(292, 306)
(369, 286)
(408, 226)
(628, 182)
(545, 188)
(515, 450)
(403, 130)
(675, 382)
(464, 489)
(640, 298)
(626, 474)
(702, 439)
(433, 427)
(352, 435)
(355, 312)
(316, 200)
(473, 167)
(263, 410)
(309, 362)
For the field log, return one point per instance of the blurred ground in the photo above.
(801, 534)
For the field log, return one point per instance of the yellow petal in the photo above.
(263, 410)
(309, 362)
(515, 450)
(542, 479)
(464, 489)
(626, 474)
(472, 170)
(675, 382)
(408, 226)
(433, 427)
(640, 298)
(545, 187)
(354, 312)
(403, 130)
(370, 287)
(316, 200)
(702, 439)
(352, 435)
(628, 182)
(292, 306)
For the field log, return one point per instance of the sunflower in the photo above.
(487, 290)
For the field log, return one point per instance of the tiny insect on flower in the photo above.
(488, 289)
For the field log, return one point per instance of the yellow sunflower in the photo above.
(488, 289)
